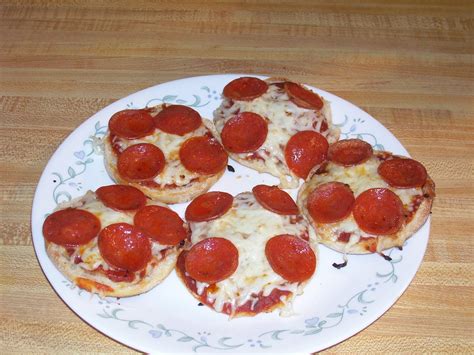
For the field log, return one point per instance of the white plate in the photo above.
(335, 305)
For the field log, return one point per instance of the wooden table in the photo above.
(409, 63)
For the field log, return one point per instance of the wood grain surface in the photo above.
(409, 63)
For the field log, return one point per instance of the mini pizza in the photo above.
(249, 254)
(114, 241)
(168, 151)
(275, 126)
(364, 201)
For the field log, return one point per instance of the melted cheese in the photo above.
(284, 119)
(174, 172)
(360, 178)
(248, 226)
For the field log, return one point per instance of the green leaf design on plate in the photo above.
(132, 323)
(181, 336)
(71, 172)
(185, 339)
(169, 98)
(196, 100)
(276, 334)
(390, 275)
(60, 196)
(360, 298)
(313, 331)
(352, 132)
(297, 331)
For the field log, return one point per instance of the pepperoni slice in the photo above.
(244, 133)
(178, 119)
(161, 224)
(303, 97)
(121, 197)
(208, 206)
(403, 173)
(291, 257)
(212, 260)
(348, 152)
(245, 88)
(378, 211)
(274, 199)
(304, 151)
(131, 124)
(330, 202)
(71, 227)
(141, 161)
(125, 247)
(203, 155)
